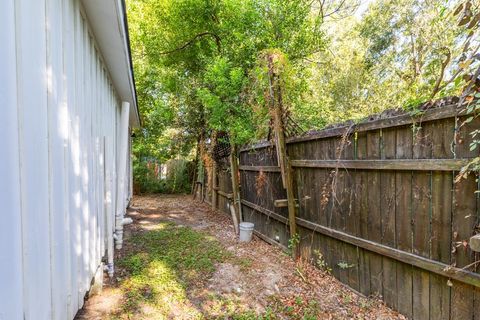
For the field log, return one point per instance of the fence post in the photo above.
(286, 171)
(235, 187)
(214, 185)
(282, 157)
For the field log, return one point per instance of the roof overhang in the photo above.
(108, 21)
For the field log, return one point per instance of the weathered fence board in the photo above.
(415, 165)
(441, 216)
(388, 219)
(464, 216)
(378, 204)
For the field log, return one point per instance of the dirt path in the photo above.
(246, 281)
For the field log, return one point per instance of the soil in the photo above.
(268, 274)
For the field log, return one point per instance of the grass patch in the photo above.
(164, 263)
(243, 263)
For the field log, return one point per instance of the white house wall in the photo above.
(59, 148)
(11, 300)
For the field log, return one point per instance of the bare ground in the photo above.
(268, 280)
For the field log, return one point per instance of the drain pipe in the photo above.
(122, 171)
(108, 161)
(110, 234)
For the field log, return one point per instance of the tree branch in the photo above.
(191, 41)
(442, 72)
(457, 73)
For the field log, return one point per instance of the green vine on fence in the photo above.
(467, 74)
(473, 110)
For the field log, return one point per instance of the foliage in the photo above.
(345, 265)
(467, 73)
(293, 241)
(200, 65)
(398, 54)
(195, 62)
(148, 179)
(473, 110)
(224, 108)
(320, 262)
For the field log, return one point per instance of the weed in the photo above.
(365, 303)
(344, 265)
(321, 263)
(293, 242)
(347, 299)
(298, 301)
(243, 263)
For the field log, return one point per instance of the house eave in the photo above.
(108, 22)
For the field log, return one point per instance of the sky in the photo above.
(363, 7)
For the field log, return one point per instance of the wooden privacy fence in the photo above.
(377, 203)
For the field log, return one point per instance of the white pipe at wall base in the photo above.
(118, 236)
(109, 269)
(130, 171)
(126, 221)
(109, 205)
(110, 243)
(118, 232)
(122, 171)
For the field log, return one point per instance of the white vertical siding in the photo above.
(11, 300)
(57, 146)
(33, 133)
(72, 155)
(58, 169)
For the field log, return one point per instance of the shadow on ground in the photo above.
(182, 261)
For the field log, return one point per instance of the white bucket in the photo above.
(246, 231)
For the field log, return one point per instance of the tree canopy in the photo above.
(200, 64)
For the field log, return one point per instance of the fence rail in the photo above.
(378, 203)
